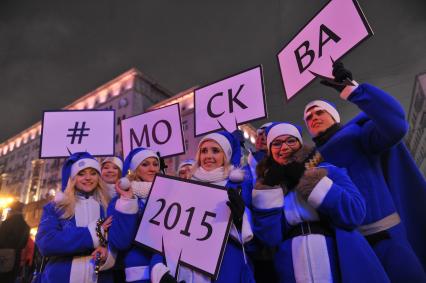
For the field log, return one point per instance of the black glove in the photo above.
(273, 175)
(237, 206)
(167, 278)
(340, 75)
(163, 165)
(292, 173)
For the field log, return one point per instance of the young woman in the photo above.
(71, 234)
(111, 168)
(217, 158)
(310, 210)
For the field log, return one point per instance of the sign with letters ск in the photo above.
(334, 31)
(230, 102)
(68, 131)
(159, 130)
(188, 222)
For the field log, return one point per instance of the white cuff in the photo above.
(137, 273)
(158, 271)
(348, 90)
(270, 198)
(110, 260)
(92, 230)
(127, 205)
(319, 192)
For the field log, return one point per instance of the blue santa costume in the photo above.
(370, 148)
(313, 229)
(235, 267)
(127, 215)
(68, 243)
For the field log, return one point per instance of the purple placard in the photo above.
(184, 217)
(333, 32)
(159, 130)
(230, 102)
(69, 131)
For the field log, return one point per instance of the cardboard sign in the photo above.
(65, 132)
(188, 222)
(159, 130)
(333, 32)
(230, 102)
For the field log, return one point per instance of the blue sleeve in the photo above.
(123, 229)
(53, 239)
(267, 225)
(343, 204)
(387, 126)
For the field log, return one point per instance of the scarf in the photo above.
(323, 137)
(213, 176)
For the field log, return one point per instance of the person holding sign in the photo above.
(140, 266)
(185, 169)
(72, 232)
(111, 168)
(371, 148)
(310, 210)
(217, 158)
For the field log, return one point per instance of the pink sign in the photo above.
(333, 32)
(159, 130)
(188, 222)
(230, 102)
(68, 131)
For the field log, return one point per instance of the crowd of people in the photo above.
(339, 211)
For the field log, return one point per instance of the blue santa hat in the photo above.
(229, 144)
(75, 163)
(324, 105)
(186, 162)
(135, 157)
(116, 160)
(277, 129)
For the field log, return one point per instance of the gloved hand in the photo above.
(168, 278)
(340, 75)
(273, 175)
(237, 206)
(309, 180)
(163, 165)
(292, 173)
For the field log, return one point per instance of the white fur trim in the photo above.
(348, 90)
(83, 164)
(246, 229)
(222, 141)
(324, 106)
(282, 129)
(127, 205)
(110, 260)
(236, 175)
(115, 160)
(137, 273)
(59, 196)
(320, 191)
(82, 270)
(185, 162)
(158, 271)
(141, 156)
(92, 230)
(271, 198)
(311, 262)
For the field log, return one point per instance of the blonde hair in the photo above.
(226, 164)
(67, 204)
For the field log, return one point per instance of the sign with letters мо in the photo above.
(337, 28)
(188, 222)
(68, 131)
(159, 130)
(230, 102)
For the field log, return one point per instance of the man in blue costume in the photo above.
(370, 147)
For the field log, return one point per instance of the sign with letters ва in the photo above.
(159, 130)
(69, 131)
(188, 222)
(230, 102)
(333, 32)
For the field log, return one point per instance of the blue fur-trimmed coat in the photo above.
(346, 257)
(68, 243)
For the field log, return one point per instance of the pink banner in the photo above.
(333, 32)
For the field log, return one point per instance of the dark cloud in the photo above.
(53, 52)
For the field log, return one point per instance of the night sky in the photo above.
(53, 52)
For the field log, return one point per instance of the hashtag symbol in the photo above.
(77, 132)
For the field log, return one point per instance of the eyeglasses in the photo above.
(318, 112)
(289, 142)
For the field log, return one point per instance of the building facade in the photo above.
(416, 138)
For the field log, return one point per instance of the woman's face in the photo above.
(211, 155)
(86, 180)
(147, 169)
(110, 172)
(283, 147)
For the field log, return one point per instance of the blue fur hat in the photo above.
(230, 145)
(75, 163)
(135, 157)
(277, 129)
